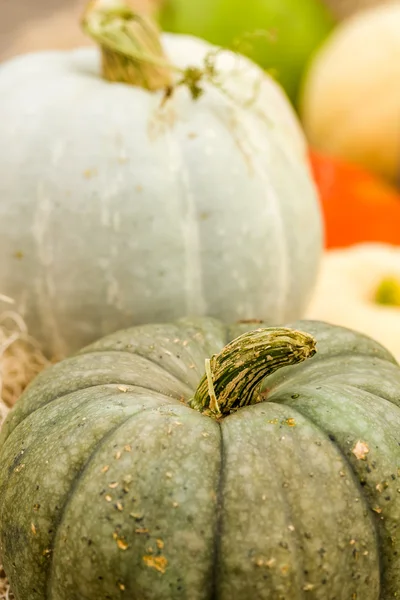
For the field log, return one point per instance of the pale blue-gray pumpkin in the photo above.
(120, 206)
(120, 480)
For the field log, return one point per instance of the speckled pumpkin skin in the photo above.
(111, 487)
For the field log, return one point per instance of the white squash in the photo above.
(351, 94)
(347, 288)
(121, 207)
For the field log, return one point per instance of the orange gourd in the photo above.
(357, 206)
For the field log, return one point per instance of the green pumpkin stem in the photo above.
(234, 376)
(130, 43)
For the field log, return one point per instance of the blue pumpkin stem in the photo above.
(234, 376)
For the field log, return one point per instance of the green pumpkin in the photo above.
(126, 474)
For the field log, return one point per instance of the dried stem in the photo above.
(235, 374)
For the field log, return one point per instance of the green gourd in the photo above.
(280, 35)
(129, 473)
(130, 186)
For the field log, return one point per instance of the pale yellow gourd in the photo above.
(359, 287)
(351, 96)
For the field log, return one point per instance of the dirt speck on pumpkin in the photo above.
(156, 562)
(308, 587)
(89, 173)
(268, 563)
(136, 516)
(250, 321)
(360, 450)
(285, 569)
(121, 543)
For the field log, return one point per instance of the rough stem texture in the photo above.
(235, 374)
(130, 43)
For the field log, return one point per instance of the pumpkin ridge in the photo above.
(350, 472)
(119, 383)
(150, 360)
(284, 279)
(284, 283)
(194, 282)
(343, 341)
(62, 417)
(285, 507)
(385, 536)
(359, 388)
(333, 358)
(292, 373)
(339, 388)
(218, 521)
(74, 483)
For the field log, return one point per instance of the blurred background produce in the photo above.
(289, 30)
(349, 68)
(359, 287)
(345, 8)
(357, 205)
(32, 25)
(280, 35)
(132, 206)
(351, 95)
